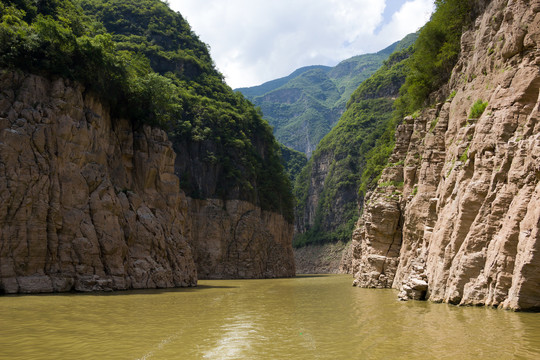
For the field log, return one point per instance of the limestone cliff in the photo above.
(87, 202)
(94, 200)
(457, 218)
(321, 259)
(236, 239)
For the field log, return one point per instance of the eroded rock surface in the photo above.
(236, 240)
(457, 218)
(321, 259)
(86, 203)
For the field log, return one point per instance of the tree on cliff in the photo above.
(144, 60)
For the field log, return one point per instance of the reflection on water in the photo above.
(318, 317)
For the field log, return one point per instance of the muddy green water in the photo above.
(309, 317)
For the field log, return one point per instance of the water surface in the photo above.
(309, 317)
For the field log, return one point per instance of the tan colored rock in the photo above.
(322, 259)
(236, 240)
(470, 197)
(86, 202)
(346, 262)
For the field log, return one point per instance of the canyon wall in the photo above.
(455, 217)
(87, 203)
(321, 259)
(235, 239)
(90, 203)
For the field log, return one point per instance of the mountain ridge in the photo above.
(305, 105)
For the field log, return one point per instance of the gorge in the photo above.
(126, 162)
(147, 210)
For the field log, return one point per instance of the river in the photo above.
(308, 317)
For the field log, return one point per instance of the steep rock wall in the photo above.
(235, 239)
(86, 203)
(305, 219)
(321, 259)
(459, 221)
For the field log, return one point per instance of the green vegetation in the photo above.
(435, 53)
(385, 83)
(144, 61)
(421, 69)
(356, 150)
(293, 161)
(477, 109)
(465, 156)
(433, 56)
(304, 106)
(397, 184)
(433, 123)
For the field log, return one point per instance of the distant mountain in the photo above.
(349, 159)
(271, 85)
(304, 106)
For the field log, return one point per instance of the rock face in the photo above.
(86, 202)
(457, 220)
(235, 239)
(319, 170)
(320, 259)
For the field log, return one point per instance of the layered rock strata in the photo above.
(86, 202)
(236, 239)
(456, 219)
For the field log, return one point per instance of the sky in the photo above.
(254, 41)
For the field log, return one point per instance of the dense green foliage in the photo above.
(293, 161)
(477, 109)
(304, 106)
(388, 80)
(55, 38)
(356, 149)
(347, 145)
(143, 59)
(435, 53)
(251, 92)
(429, 66)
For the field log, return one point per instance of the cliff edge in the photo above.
(456, 218)
(87, 202)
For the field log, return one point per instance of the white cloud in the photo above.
(410, 17)
(253, 41)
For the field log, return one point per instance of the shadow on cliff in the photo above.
(197, 288)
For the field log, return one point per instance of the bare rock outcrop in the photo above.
(86, 202)
(322, 259)
(457, 218)
(237, 240)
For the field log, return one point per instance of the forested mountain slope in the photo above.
(224, 148)
(304, 106)
(349, 158)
